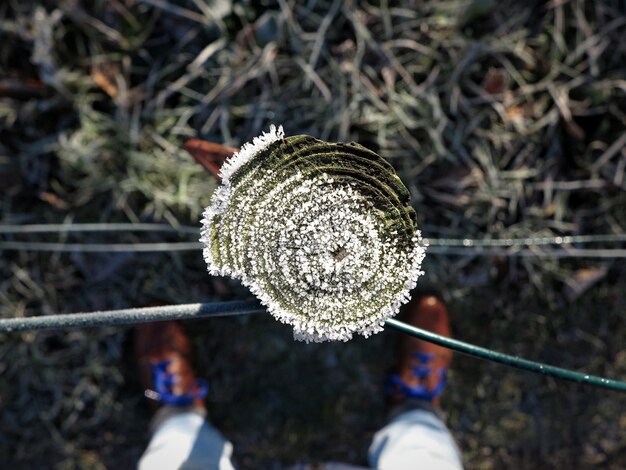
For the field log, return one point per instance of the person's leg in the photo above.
(183, 438)
(416, 436)
(181, 435)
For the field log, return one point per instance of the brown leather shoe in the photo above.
(422, 366)
(164, 355)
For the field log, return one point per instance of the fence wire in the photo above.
(508, 247)
(220, 309)
(526, 247)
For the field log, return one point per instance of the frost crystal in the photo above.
(322, 233)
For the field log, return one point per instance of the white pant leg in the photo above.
(415, 439)
(183, 439)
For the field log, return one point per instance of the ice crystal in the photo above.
(322, 233)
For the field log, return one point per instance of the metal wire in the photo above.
(69, 321)
(528, 253)
(465, 242)
(528, 241)
(191, 311)
(96, 227)
(519, 247)
(159, 247)
(501, 358)
(164, 247)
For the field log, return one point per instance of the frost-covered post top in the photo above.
(322, 233)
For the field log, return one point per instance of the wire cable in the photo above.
(158, 247)
(96, 227)
(220, 309)
(441, 241)
(517, 247)
(69, 321)
(164, 247)
(506, 359)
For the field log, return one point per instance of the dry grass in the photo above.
(505, 119)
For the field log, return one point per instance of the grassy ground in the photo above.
(505, 119)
